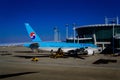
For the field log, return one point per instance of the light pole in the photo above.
(74, 31)
(55, 34)
(113, 37)
(66, 31)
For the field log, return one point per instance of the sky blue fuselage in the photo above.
(62, 45)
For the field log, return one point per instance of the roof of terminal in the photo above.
(97, 25)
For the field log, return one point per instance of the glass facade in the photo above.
(103, 33)
(117, 43)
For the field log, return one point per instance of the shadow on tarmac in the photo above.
(28, 57)
(15, 74)
(46, 55)
(104, 61)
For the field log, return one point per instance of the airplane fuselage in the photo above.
(48, 46)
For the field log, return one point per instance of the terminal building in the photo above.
(102, 35)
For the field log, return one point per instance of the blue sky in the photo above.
(44, 15)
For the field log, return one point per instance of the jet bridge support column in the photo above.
(94, 37)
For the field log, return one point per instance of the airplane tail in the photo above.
(32, 34)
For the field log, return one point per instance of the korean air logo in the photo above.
(32, 35)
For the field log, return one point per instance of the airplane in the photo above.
(37, 43)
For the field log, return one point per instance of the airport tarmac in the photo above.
(16, 64)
